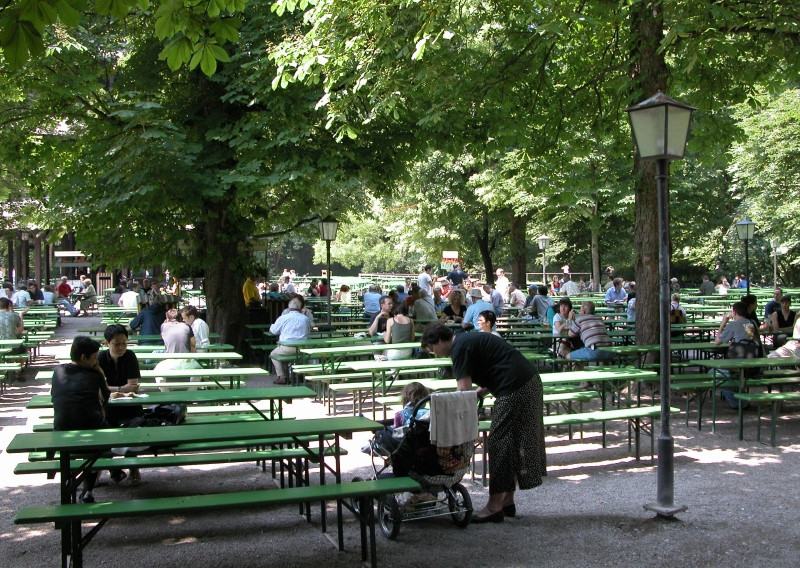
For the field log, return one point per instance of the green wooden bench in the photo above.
(357, 389)
(700, 389)
(324, 380)
(775, 399)
(635, 416)
(365, 492)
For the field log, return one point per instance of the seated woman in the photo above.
(455, 311)
(486, 321)
(343, 295)
(780, 319)
(89, 296)
(562, 323)
(555, 286)
(313, 288)
(399, 329)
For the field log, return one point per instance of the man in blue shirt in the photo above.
(496, 299)
(293, 325)
(372, 302)
(616, 296)
(456, 276)
(473, 311)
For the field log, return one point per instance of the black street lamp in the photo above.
(327, 232)
(745, 229)
(660, 126)
(544, 242)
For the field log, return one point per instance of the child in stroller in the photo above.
(394, 430)
(438, 467)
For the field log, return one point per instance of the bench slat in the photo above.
(199, 503)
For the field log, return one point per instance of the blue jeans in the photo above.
(591, 354)
(69, 307)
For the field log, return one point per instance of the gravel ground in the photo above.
(742, 497)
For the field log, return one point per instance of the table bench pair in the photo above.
(364, 492)
(637, 418)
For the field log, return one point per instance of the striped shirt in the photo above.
(592, 330)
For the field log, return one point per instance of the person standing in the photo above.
(516, 439)
(501, 283)
(456, 276)
(425, 281)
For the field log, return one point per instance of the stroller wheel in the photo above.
(354, 503)
(460, 504)
(389, 517)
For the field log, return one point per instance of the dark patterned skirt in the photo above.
(516, 440)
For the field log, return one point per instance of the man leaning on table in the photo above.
(291, 326)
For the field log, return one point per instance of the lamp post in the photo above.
(544, 242)
(745, 229)
(327, 232)
(660, 126)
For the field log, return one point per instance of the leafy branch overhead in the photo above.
(194, 32)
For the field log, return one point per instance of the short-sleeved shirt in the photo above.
(293, 325)
(118, 373)
(491, 363)
(456, 276)
(372, 304)
(591, 329)
(739, 329)
(177, 336)
(707, 288)
(9, 324)
(78, 394)
(425, 282)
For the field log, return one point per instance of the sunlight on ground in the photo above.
(734, 457)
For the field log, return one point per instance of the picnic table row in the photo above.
(315, 440)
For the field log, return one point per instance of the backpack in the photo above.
(677, 316)
(159, 415)
(746, 349)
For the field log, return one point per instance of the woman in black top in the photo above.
(516, 441)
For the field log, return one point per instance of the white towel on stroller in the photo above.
(454, 418)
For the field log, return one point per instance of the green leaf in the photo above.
(20, 40)
(68, 14)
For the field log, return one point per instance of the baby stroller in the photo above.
(437, 467)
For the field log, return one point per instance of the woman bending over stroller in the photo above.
(516, 438)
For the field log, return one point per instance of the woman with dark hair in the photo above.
(516, 441)
(486, 321)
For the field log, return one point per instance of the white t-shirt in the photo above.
(129, 301)
(21, 298)
(425, 283)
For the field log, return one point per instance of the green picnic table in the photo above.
(276, 396)
(95, 443)
(230, 373)
(382, 371)
(739, 366)
(332, 357)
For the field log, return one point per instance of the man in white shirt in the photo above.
(199, 327)
(425, 281)
(516, 298)
(288, 287)
(293, 325)
(21, 298)
(501, 283)
(129, 300)
(569, 288)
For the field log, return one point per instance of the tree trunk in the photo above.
(482, 238)
(595, 236)
(649, 72)
(226, 313)
(519, 259)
